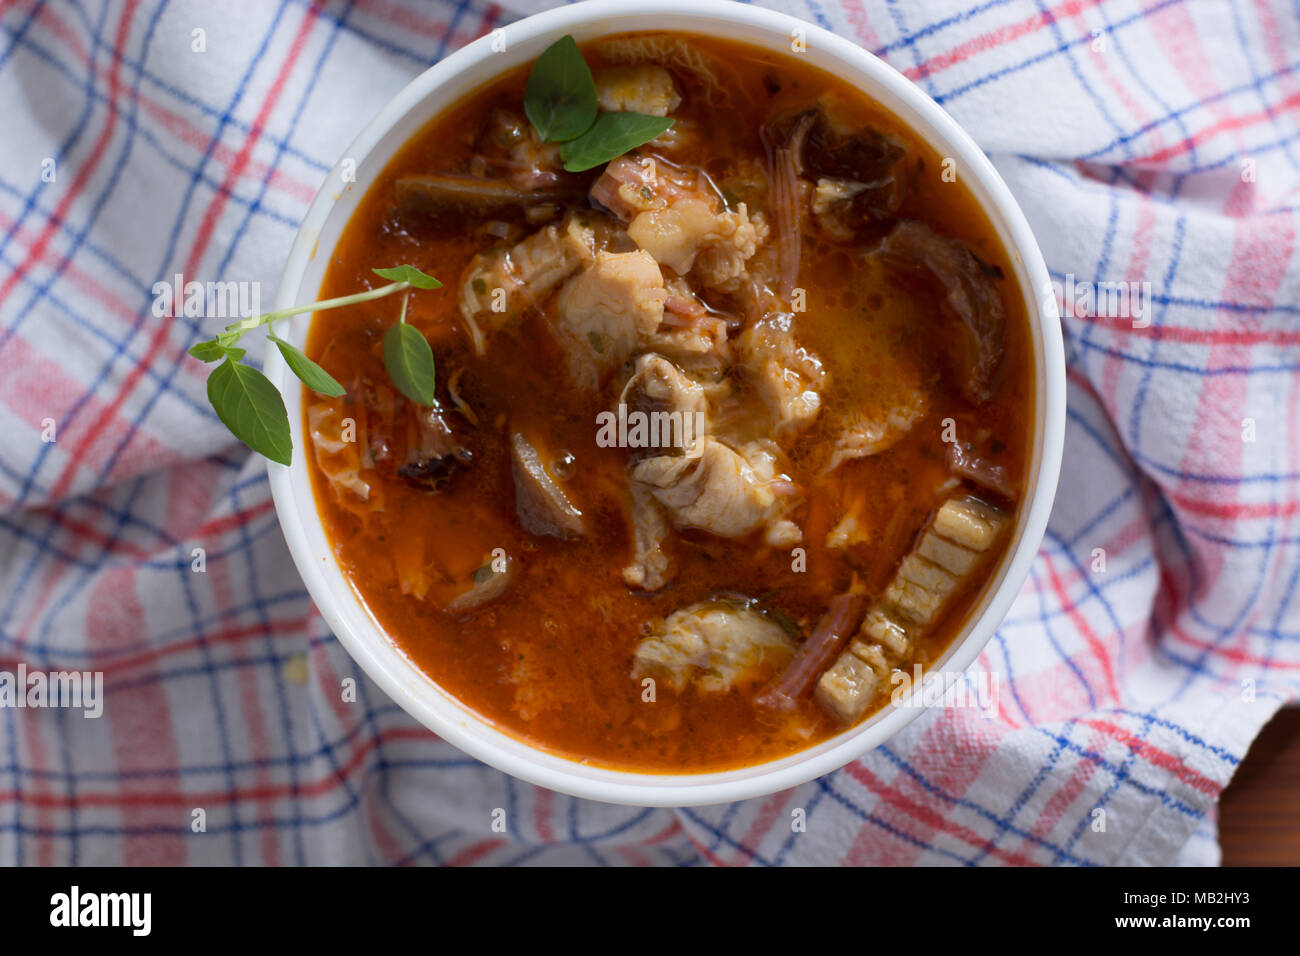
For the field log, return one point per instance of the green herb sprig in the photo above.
(560, 102)
(251, 407)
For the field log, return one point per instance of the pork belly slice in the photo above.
(950, 551)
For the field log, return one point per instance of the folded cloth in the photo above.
(1150, 143)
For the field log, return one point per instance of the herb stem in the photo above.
(254, 321)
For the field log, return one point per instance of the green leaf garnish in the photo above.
(560, 98)
(214, 351)
(409, 274)
(409, 362)
(311, 374)
(249, 405)
(612, 135)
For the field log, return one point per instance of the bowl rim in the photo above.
(291, 487)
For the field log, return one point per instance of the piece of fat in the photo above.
(969, 522)
(878, 626)
(953, 558)
(847, 688)
(919, 589)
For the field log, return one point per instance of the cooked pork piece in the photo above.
(944, 560)
(963, 285)
(715, 488)
(965, 464)
(640, 88)
(674, 406)
(713, 645)
(651, 567)
(692, 231)
(787, 376)
(501, 283)
(540, 502)
(603, 312)
(863, 436)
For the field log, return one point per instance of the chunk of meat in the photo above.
(964, 286)
(715, 488)
(501, 283)
(637, 88)
(651, 567)
(863, 436)
(692, 229)
(602, 314)
(966, 464)
(628, 185)
(701, 347)
(541, 504)
(788, 377)
(674, 406)
(714, 645)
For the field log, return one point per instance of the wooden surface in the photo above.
(1259, 815)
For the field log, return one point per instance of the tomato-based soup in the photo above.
(790, 262)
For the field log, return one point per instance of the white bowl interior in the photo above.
(445, 84)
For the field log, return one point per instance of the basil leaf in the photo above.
(311, 374)
(249, 405)
(409, 274)
(409, 362)
(209, 351)
(560, 98)
(612, 135)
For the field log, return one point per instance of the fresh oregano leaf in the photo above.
(409, 362)
(249, 405)
(410, 275)
(311, 374)
(560, 98)
(612, 135)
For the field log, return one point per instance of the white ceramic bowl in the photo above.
(446, 83)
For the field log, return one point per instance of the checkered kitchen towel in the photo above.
(1149, 141)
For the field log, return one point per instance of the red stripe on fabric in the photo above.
(478, 851)
(856, 14)
(932, 821)
(1101, 652)
(996, 38)
(254, 737)
(761, 826)
(543, 800)
(140, 727)
(1156, 757)
(1226, 124)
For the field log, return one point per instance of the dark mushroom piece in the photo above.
(438, 454)
(435, 197)
(541, 504)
